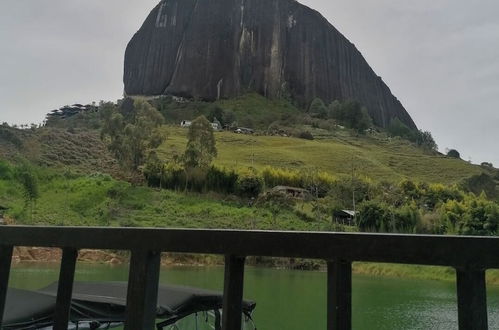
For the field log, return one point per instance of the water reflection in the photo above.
(297, 299)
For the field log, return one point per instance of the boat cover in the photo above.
(105, 302)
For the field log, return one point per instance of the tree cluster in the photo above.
(131, 135)
(422, 138)
(350, 114)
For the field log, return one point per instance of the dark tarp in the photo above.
(25, 309)
(105, 302)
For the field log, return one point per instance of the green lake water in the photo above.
(296, 300)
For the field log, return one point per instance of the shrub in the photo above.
(318, 108)
(6, 171)
(373, 216)
(275, 198)
(350, 114)
(281, 177)
(221, 180)
(405, 219)
(480, 183)
(435, 194)
(249, 184)
(8, 135)
(425, 140)
(472, 216)
(305, 135)
(453, 153)
(487, 165)
(173, 176)
(398, 128)
(342, 191)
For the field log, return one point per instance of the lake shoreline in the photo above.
(25, 255)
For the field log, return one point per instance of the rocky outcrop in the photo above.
(213, 49)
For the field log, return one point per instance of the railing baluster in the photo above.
(471, 299)
(5, 261)
(339, 295)
(233, 293)
(142, 295)
(65, 288)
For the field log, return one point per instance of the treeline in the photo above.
(247, 182)
(406, 207)
(430, 209)
(353, 115)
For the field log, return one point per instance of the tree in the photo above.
(351, 114)
(453, 153)
(487, 165)
(318, 108)
(29, 181)
(481, 183)
(132, 137)
(425, 140)
(201, 144)
(398, 128)
(373, 216)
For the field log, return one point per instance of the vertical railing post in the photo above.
(471, 299)
(339, 295)
(233, 293)
(142, 295)
(5, 261)
(65, 288)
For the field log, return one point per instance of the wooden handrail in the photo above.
(471, 256)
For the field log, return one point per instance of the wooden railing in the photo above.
(470, 256)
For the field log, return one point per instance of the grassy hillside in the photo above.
(77, 150)
(80, 180)
(377, 157)
(98, 200)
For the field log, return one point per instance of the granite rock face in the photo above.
(213, 49)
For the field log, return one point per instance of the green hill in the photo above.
(80, 182)
(375, 156)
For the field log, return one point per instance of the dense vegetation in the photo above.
(87, 170)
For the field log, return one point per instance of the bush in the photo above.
(221, 180)
(275, 198)
(453, 153)
(318, 108)
(281, 177)
(350, 114)
(9, 136)
(435, 194)
(342, 191)
(249, 184)
(6, 171)
(472, 216)
(305, 135)
(405, 219)
(425, 140)
(373, 216)
(481, 183)
(487, 165)
(398, 128)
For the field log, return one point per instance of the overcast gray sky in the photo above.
(440, 58)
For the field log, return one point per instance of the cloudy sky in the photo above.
(440, 58)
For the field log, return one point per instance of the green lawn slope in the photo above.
(377, 157)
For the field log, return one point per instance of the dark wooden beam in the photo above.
(455, 251)
(142, 295)
(5, 262)
(65, 288)
(471, 299)
(233, 293)
(339, 295)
